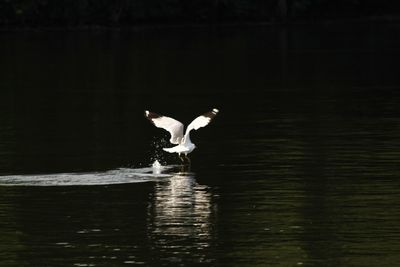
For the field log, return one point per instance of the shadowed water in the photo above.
(299, 168)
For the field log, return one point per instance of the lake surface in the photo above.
(300, 167)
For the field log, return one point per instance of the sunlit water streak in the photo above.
(118, 176)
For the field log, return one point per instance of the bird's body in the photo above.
(181, 149)
(184, 145)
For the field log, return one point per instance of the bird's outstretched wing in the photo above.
(174, 127)
(202, 120)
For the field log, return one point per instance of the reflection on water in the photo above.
(181, 219)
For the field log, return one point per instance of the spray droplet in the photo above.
(156, 164)
(156, 153)
(156, 167)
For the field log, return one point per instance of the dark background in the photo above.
(68, 13)
(299, 168)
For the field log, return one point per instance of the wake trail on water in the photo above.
(110, 177)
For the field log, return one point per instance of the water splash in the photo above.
(157, 153)
(157, 167)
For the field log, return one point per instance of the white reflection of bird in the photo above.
(183, 143)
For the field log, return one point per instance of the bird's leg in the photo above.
(189, 163)
(182, 158)
(188, 159)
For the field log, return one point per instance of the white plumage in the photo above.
(183, 143)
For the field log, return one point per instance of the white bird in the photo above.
(183, 143)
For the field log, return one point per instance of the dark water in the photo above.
(300, 168)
